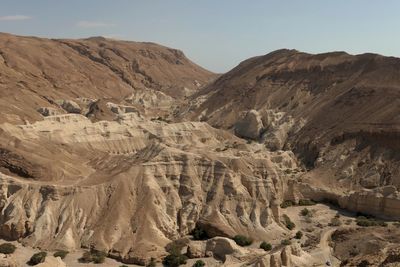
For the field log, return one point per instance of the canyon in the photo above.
(127, 148)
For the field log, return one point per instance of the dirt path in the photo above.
(323, 254)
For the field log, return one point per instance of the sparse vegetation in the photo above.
(299, 235)
(265, 246)
(94, 256)
(61, 253)
(199, 263)
(335, 221)
(199, 234)
(306, 202)
(175, 258)
(7, 248)
(242, 240)
(287, 203)
(288, 223)
(37, 258)
(305, 212)
(286, 242)
(367, 222)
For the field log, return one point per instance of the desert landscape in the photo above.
(186, 133)
(128, 154)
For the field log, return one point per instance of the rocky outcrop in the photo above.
(49, 111)
(250, 126)
(132, 185)
(70, 106)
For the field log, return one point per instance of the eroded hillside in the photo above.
(126, 148)
(337, 112)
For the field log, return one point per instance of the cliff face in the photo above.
(133, 185)
(335, 111)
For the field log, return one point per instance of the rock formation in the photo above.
(125, 147)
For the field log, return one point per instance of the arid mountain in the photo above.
(127, 148)
(338, 113)
(37, 72)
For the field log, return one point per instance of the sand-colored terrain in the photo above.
(126, 148)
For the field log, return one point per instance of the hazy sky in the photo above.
(217, 34)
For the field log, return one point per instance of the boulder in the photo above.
(250, 126)
(196, 249)
(48, 111)
(222, 246)
(70, 106)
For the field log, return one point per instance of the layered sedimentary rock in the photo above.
(335, 111)
(131, 186)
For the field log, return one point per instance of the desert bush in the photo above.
(299, 235)
(287, 203)
(367, 222)
(94, 256)
(288, 223)
(335, 222)
(98, 256)
(306, 202)
(199, 263)
(7, 248)
(265, 246)
(286, 242)
(61, 253)
(305, 212)
(37, 258)
(175, 258)
(242, 240)
(199, 234)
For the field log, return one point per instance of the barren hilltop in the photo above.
(131, 151)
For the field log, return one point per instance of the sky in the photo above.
(217, 34)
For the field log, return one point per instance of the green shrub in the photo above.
(199, 263)
(94, 256)
(288, 223)
(7, 248)
(37, 258)
(305, 212)
(98, 256)
(61, 253)
(265, 246)
(287, 203)
(367, 222)
(306, 202)
(299, 235)
(199, 234)
(175, 258)
(242, 240)
(335, 222)
(286, 242)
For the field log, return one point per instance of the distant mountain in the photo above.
(35, 72)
